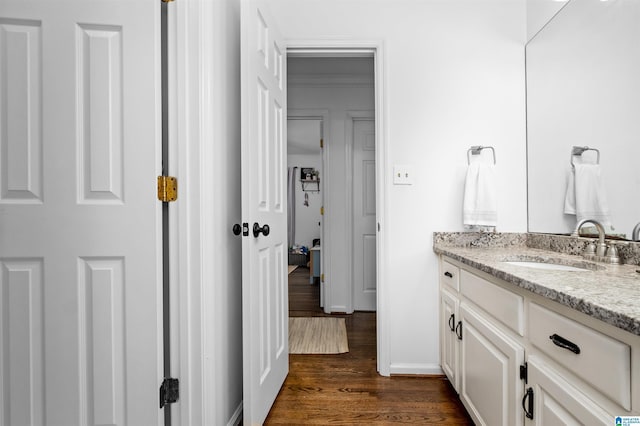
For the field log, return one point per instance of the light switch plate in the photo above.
(402, 175)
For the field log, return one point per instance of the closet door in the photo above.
(80, 223)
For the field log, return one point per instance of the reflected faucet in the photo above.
(601, 248)
(635, 235)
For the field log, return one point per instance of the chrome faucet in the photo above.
(635, 235)
(601, 248)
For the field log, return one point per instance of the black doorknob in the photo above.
(237, 229)
(257, 230)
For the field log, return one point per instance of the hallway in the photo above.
(346, 389)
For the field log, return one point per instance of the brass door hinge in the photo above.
(167, 189)
(322, 277)
(321, 143)
(322, 211)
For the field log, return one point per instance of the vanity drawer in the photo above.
(450, 275)
(602, 361)
(505, 306)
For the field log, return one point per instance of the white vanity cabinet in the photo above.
(478, 355)
(449, 319)
(517, 358)
(556, 401)
(449, 343)
(490, 387)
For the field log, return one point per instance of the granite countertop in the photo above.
(610, 293)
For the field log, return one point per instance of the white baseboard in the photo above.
(236, 419)
(417, 369)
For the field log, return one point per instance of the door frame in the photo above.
(350, 48)
(192, 79)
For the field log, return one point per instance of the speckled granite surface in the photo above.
(610, 293)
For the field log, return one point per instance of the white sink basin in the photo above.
(547, 266)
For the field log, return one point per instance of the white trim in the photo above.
(412, 369)
(236, 418)
(184, 83)
(324, 80)
(351, 47)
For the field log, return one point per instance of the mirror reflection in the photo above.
(583, 90)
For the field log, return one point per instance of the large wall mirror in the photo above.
(583, 89)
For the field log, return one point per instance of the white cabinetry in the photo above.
(517, 358)
(477, 353)
(449, 346)
(490, 387)
(555, 401)
(449, 319)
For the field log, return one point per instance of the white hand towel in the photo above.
(586, 197)
(480, 206)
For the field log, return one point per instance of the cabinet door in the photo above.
(449, 346)
(491, 388)
(557, 402)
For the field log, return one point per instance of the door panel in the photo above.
(450, 347)
(22, 387)
(557, 402)
(80, 229)
(264, 280)
(364, 215)
(21, 121)
(489, 360)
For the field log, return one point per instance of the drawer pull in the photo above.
(459, 330)
(527, 403)
(448, 274)
(452, 322)
(564, 343)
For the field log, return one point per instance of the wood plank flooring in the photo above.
(346, 389)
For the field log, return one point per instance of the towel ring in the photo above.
(477, 149)
(579, 150)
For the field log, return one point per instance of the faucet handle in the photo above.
(612, 254)
(590, 249)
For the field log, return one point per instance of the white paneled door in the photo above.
(80, 230)
(264, 249)
(364, 215)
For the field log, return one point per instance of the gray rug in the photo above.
(317, 335)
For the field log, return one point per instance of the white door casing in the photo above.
(80, 225)
(264, 150)
(364, 215)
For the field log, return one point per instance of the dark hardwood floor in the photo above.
(346, 389)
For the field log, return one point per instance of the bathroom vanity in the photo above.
(533, 336)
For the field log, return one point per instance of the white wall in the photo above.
(224, 362)
(453, 77)
(338, 100)
(539, 12)
(207, 300)
(307, 217)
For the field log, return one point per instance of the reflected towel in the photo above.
(480, 206)
(586, 197)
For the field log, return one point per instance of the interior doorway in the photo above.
(331, 103)
(305, 198)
